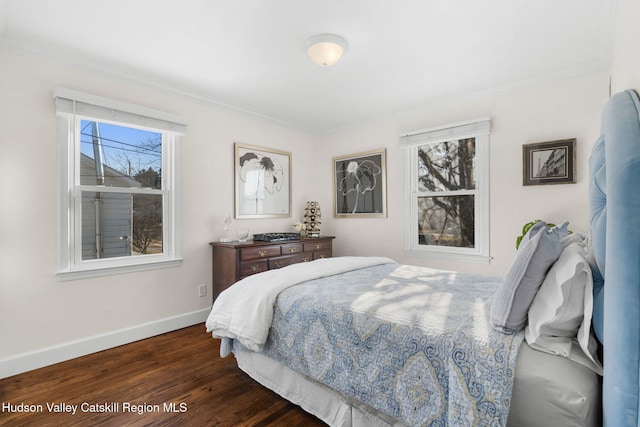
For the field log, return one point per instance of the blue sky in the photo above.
(125, 149)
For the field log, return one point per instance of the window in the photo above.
(447, 192)
(118, 202)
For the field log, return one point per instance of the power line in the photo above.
(148, 156)
(139, 149)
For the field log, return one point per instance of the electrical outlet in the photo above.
(202, 290)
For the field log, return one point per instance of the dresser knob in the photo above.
(262, 253)
(254, 268)
(318, 246)
(292, 250)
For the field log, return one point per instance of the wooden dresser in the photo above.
(237, 260)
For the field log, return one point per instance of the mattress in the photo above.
(547, 391)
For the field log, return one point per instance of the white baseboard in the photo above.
(31, 360)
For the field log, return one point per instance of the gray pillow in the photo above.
(539, 249)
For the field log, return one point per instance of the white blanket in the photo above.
(244, 311)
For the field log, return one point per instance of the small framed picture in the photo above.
(262, 182)
(550, 162)
(359, 185)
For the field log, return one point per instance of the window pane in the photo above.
(120, 224)
(447, 166)
(147, 224)
(446, 221)
(106, 225)
(119, 156)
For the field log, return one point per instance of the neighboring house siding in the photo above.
(115, 214)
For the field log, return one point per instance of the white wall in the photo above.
(545, 112)
(625, 61)
(37, 311)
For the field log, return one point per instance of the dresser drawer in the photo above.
(283, 261)
(317, 246)
(326, 253)
(250, 267)
(259, 252)
(292, 248)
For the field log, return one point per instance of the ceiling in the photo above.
(404, 56)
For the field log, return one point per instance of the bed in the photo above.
(364, 341)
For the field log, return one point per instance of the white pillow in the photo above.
(560, 314)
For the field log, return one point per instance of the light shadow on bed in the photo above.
(408, 296)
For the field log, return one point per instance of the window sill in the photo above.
(478, 258)
(86, 273)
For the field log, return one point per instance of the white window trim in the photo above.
(479, 129)
(71, 107)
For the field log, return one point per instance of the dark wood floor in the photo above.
(181, 368)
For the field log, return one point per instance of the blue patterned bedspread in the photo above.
(412, 342)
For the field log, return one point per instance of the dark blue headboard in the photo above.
(615, 232)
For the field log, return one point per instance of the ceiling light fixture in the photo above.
(326, 49)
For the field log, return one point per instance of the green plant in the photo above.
(526, 228)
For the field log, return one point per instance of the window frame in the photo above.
(72, 107)
(409, 142)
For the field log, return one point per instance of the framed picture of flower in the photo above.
(359, 184)
(262, 182)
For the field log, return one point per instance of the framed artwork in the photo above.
(359, 185)
(262, 182)
(551, 162)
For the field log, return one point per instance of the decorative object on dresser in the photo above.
(275, 237)
(359, 185)
(262, 182)
(237, 260)
(549, 162)
(225, 237)
(243, 234)
(301, 228)
(312, 219)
